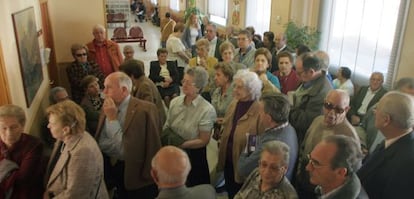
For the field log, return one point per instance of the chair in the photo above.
(119, 33)
(135, 35)
(136, 32)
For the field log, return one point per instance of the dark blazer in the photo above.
(356, 101)
(217, 53)
(140, 140)
(26, 181)
(389, 173)
(155, 69)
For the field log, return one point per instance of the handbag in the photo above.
(6, 167)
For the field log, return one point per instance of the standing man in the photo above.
(167, 27)
(170, 168)
(281, 46)
(128, 135)
(332, 122)
(309, 97)
(103, 51)
(388, 172)
(332, 168)
(245, 53)
(366, 98)
(215, 42)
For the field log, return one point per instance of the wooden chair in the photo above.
(135, 35)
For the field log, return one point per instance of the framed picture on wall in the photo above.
(29, 53)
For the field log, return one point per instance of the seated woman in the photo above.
(343, 80)
(164, 74)
(22, 154)
(268, 180)
(202, 59)
(262, 61)
(227, 54)
(289, 80)
(192, 117)
(128, 52)
(144, 88)
(223, 94)
(92, 102)
(75, 168)
(242, 117)
(80, 68)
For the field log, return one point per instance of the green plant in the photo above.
(301, 35)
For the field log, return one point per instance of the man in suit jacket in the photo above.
(170, 168)
(388, 172)
(215, 42)
(366, 97)
(128, 135)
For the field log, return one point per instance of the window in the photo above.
(258, 15)
(154, 2)
(359, 34)
(217, 10)
(175, 5)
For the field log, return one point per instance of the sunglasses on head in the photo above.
(80, 55)
(330, 106)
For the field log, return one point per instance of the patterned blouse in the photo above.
(251, 189)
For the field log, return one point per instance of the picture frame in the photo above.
(24, 24)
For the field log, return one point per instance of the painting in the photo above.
(29, 53)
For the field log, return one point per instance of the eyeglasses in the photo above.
(314, 163)
(330, 106)
(82, 54)
(272, 167)
(187, 82)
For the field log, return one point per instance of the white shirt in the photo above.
(367, 99)
(212, 49)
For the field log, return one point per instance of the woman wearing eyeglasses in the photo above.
(80, 68)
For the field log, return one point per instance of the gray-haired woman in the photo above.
(192, 118)
(242, 117)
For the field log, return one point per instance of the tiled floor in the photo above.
(152, 34)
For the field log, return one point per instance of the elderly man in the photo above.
(333, 122)
(332, 166)
(274, 111)
(281, 46)
(245, 53)
(215, 42)
(170, 168)
(371, 134)
(309, 97)
(103, 51)
(388, 172)
(269, 181)
(366, 98)
(128, 135)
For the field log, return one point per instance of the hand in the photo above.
(165, 84)
(203, 62)
(355, 120)
(110, 109)
(168, 79)
(220, 120)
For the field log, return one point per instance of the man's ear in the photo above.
(342, 171)
(154, 176)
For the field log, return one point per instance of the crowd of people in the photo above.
(284, 128)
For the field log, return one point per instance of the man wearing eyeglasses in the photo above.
(332, 168)
(332, 122)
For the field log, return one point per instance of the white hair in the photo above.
(251, 82)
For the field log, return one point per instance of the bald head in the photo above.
(170, 167)
(98, 32)
(339, 96)
(335, 107)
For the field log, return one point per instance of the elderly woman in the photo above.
(192, 118)
(80, 68)
(289, 80)
(262, 61)
(202, 59)
(343, 80)
(268, 180)
(165, 76)
(20, 156)
(92, 102)
(242, 117)
(128, 52)
(177, 51)
(222, 95)
(227, 53)
(75, 168)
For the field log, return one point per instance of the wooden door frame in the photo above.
(4, 83)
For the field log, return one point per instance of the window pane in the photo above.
(217, 10)
(258, 15)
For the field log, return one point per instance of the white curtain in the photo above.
(258, 15)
